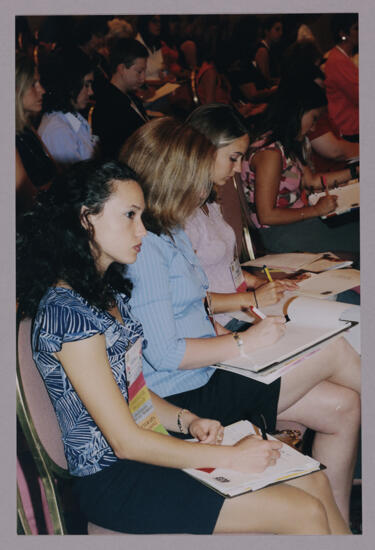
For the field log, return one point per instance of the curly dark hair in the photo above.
(53, 245)
(282, 120)
(61, 76)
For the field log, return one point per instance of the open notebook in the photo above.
(347, 198)
(230, 483)
(311, 321)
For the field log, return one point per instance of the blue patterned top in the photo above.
(64, 316)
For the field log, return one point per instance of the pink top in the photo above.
(290, 192)
(214, 242)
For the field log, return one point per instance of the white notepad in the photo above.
(347, 198)
(230, 483)
(312, 321)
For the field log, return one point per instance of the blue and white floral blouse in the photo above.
(64, 316)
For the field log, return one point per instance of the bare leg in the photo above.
(313, 395)
(319, 487)
(281, 509)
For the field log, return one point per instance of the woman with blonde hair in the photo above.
(34, 166)
(170, 288)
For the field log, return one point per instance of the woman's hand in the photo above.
(254, 454)
(207, 430)
(270, 293)
(326, 204)
(262, 334)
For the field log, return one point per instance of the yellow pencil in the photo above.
(266, 271)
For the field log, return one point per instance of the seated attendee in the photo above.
(90, 34)
(247, 81)
(263, 57)
(342, 77)
(149, 28)
(301, 62)
(34, 166)
(66, 133)
(176, 166)
(276, 179)
(213, 239)
(118, 112)
(329, 151)
(86, 344)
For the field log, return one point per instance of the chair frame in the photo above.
(46, 467)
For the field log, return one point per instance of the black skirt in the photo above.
(136, 498)
(230, 397)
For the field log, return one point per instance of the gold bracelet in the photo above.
(183, 429)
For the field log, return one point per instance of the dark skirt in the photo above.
(230, 397)
(312, 235)
(137, 498)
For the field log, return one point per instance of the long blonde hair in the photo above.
(25, 71)
(174, 162)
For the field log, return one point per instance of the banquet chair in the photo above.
(43, 435)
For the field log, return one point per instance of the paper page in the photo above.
(295, 340)
(164, 90)
(291, 262)
(347, 197)
(329, 261)
(231, 482)
(270, 374)
(311, 321)
(329, 283)
(310, 312)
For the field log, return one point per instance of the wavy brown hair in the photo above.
(174, 163)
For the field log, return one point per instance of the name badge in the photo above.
(140, 403)
(237, 275)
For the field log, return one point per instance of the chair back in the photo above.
(41, 414)
(39, 425)
(236, 213)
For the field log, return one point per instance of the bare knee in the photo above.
(315, 517)
(318, 484)
(309, 515)
(347, 409)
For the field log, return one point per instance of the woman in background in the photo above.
(68, 79)
(34, 166)
(277, 179)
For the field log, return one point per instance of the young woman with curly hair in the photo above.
(87, 346)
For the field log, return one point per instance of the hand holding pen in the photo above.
(326, 204)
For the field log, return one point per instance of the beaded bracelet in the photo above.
(255, 298)
(183, 429)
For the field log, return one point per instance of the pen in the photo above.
(263, 427)
(266, 271)
(257, 312)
